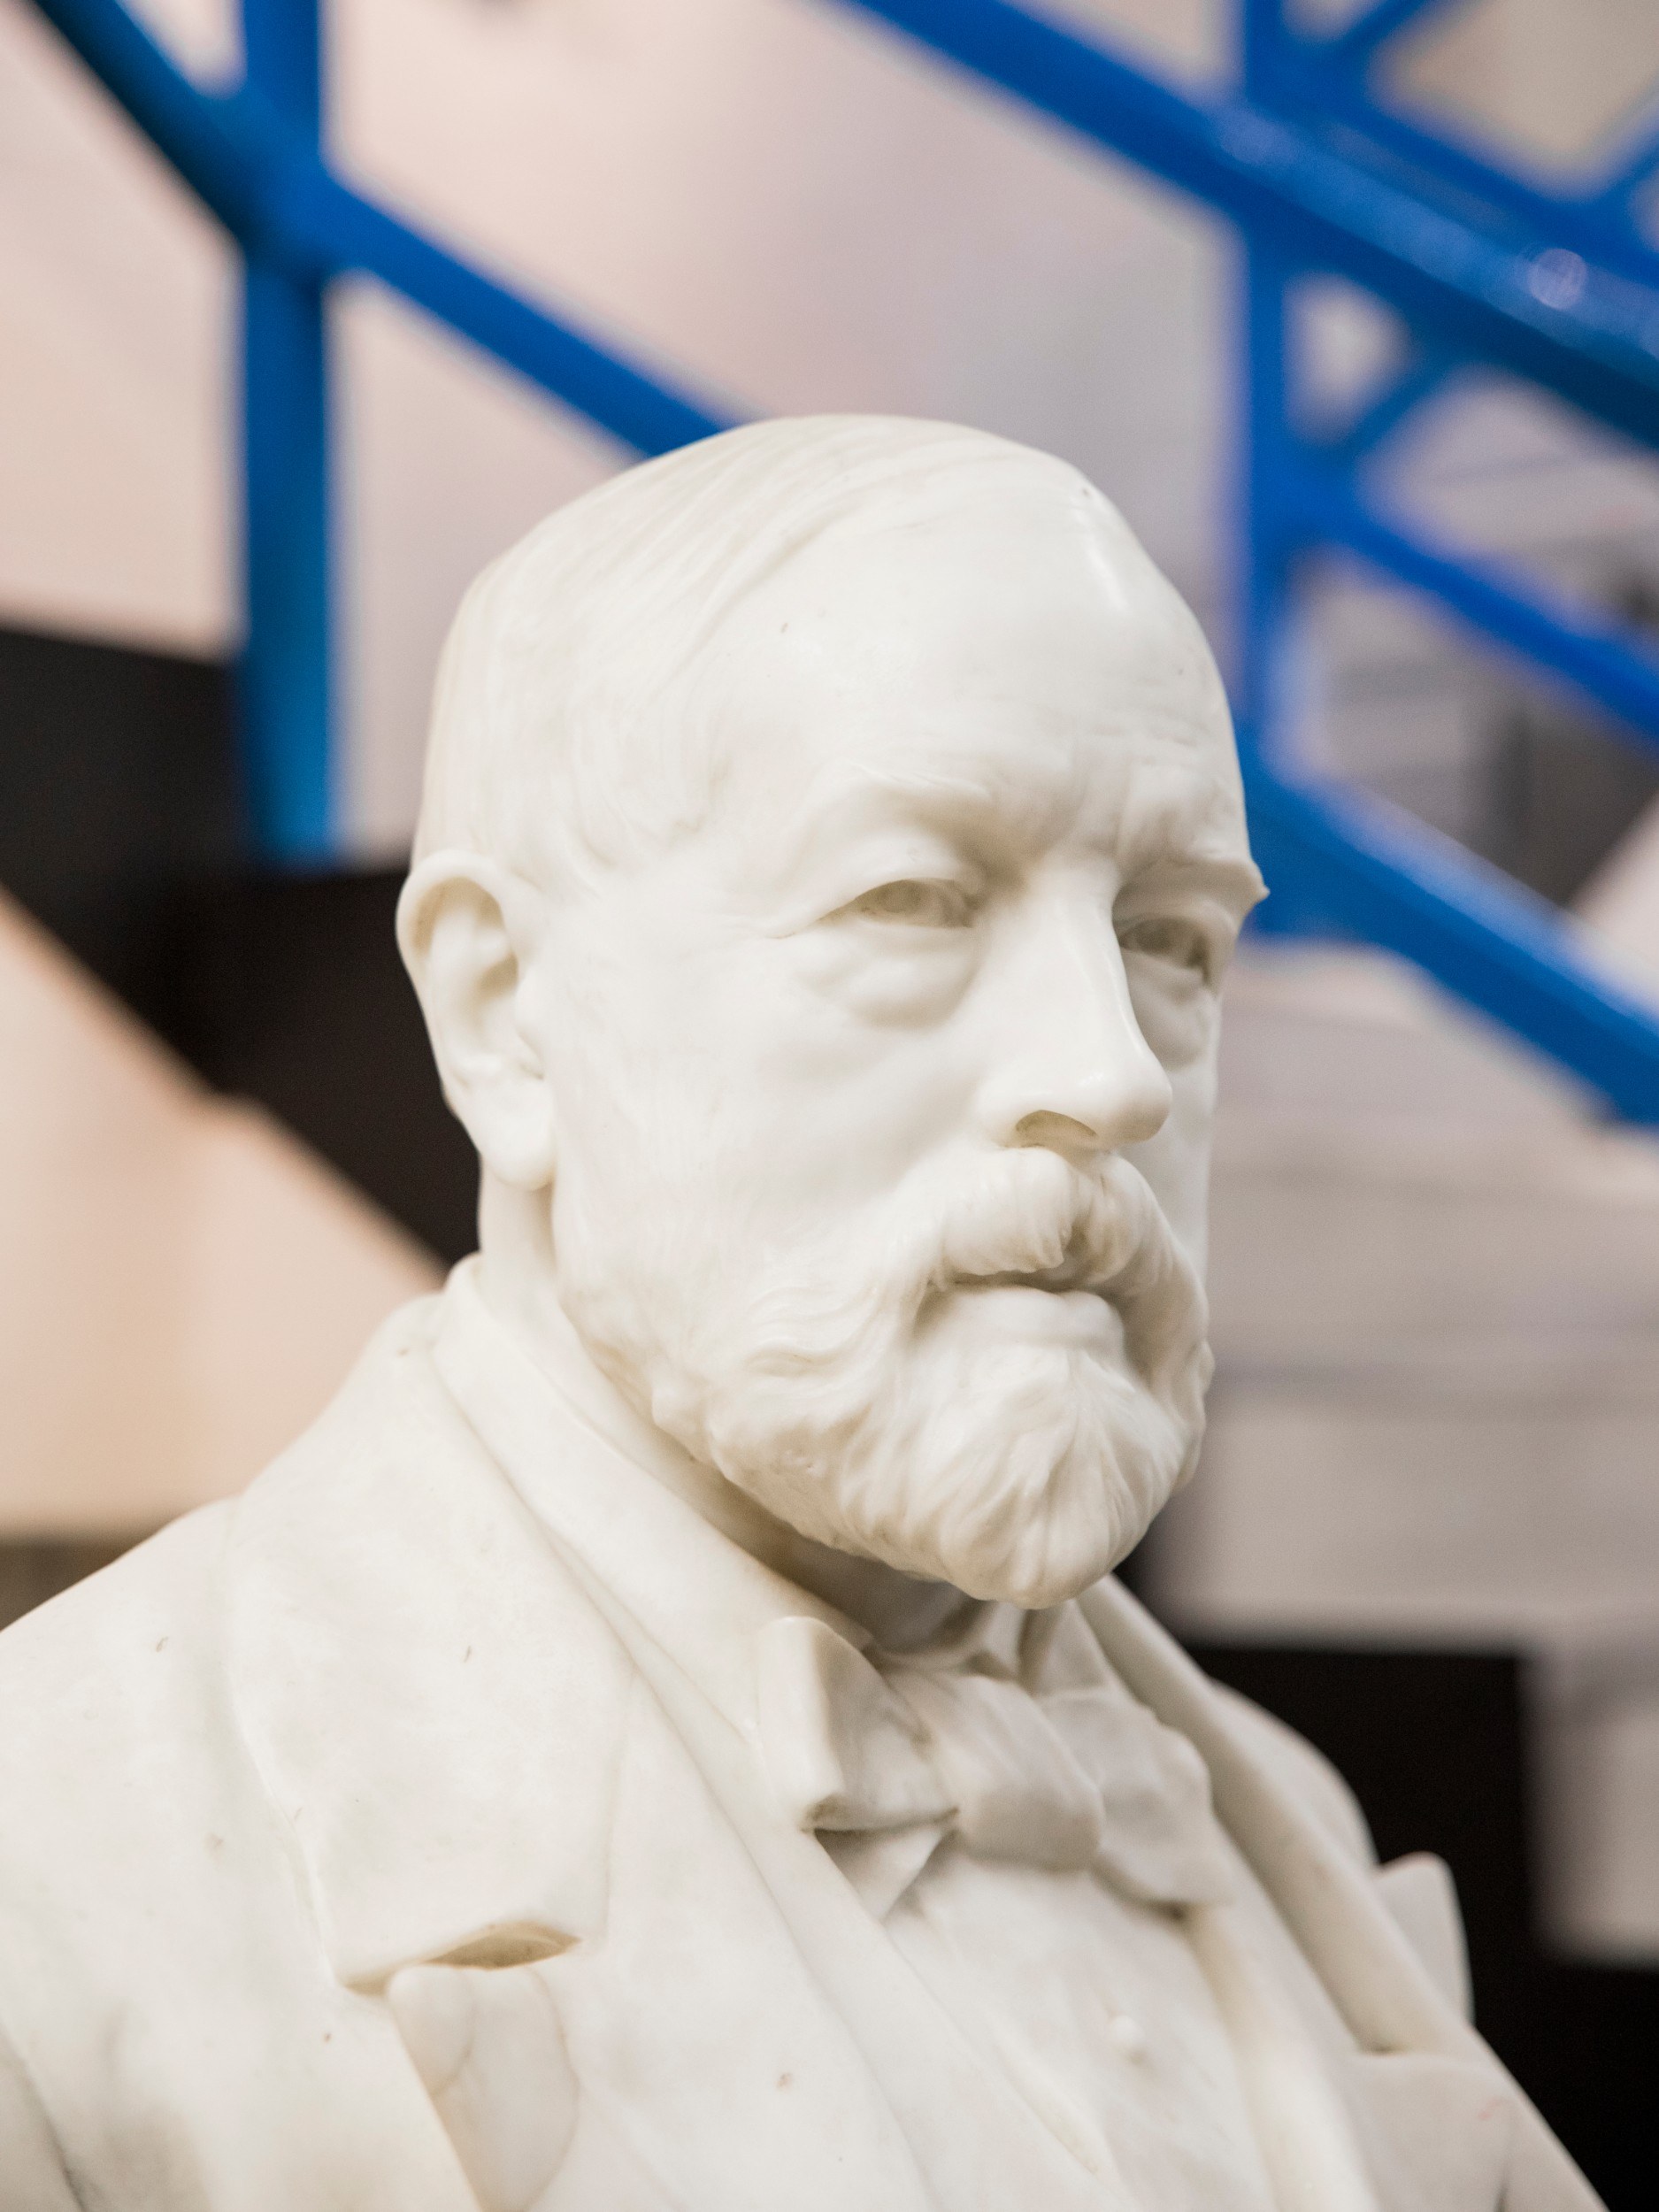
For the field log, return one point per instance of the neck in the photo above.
(518, 1281)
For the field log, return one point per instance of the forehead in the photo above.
(1035, 667)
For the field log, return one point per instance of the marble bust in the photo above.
(669, 1736)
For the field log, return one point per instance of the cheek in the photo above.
(704, 1096)
(773, 1084)
(629, 1060)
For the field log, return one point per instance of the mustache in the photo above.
(1034, 1219)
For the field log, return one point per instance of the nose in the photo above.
(1071, 1071)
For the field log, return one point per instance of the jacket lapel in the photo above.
(1382, 1989)
(435, 1709)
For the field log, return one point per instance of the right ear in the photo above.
(469, 930)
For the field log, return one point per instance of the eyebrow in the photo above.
(969, 808)
(976, 811)
(1233, 881)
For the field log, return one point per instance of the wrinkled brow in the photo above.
(1187, 819)
(982, 811)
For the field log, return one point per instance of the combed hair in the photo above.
(574, 710)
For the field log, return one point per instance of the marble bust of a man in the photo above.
(668, 1738)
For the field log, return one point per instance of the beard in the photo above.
(867, 1394)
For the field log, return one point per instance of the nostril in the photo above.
(1058, 1133)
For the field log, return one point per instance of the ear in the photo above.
(469, 930)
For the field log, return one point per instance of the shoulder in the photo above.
(135, 1846)
(117, 1750)
(81, 1675)
(223, 1749)
(123, 1752)
(106, 1662)
(74, 1659)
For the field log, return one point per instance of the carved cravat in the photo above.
(884, 1759)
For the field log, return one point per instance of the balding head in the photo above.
(579, 713)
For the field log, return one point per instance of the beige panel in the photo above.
(289, 1269)
(183, 1284)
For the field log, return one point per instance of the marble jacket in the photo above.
(300, 1825)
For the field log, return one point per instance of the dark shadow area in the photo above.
(118, 786)
(295, 996)
(32, 1572)
(120, 830)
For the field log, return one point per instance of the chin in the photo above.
(1017, 1472)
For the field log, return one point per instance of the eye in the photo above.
(916, 905)
(1178, 943)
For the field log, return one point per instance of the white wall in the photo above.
(113, 401)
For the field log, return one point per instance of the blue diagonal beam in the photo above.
(199, 134)
(1406, 889)
(1382, 413)
(1300, 83)
(1631, 167)
(637, 404)
(275, 197)
(1441, 272)
(1322, 207)
(1297, 77)
(1596, 657)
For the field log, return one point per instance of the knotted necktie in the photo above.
(883, 1761)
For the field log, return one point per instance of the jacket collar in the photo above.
(699, 1596)
(435, 1707)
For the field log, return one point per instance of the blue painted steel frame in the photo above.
(287, 676)
(1322, 176)
(251, 153)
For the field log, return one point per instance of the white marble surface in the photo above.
(669, 1736)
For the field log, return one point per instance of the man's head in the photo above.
(832, 847)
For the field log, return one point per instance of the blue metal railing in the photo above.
(1321, 175)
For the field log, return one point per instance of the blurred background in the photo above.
(1369, 355)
